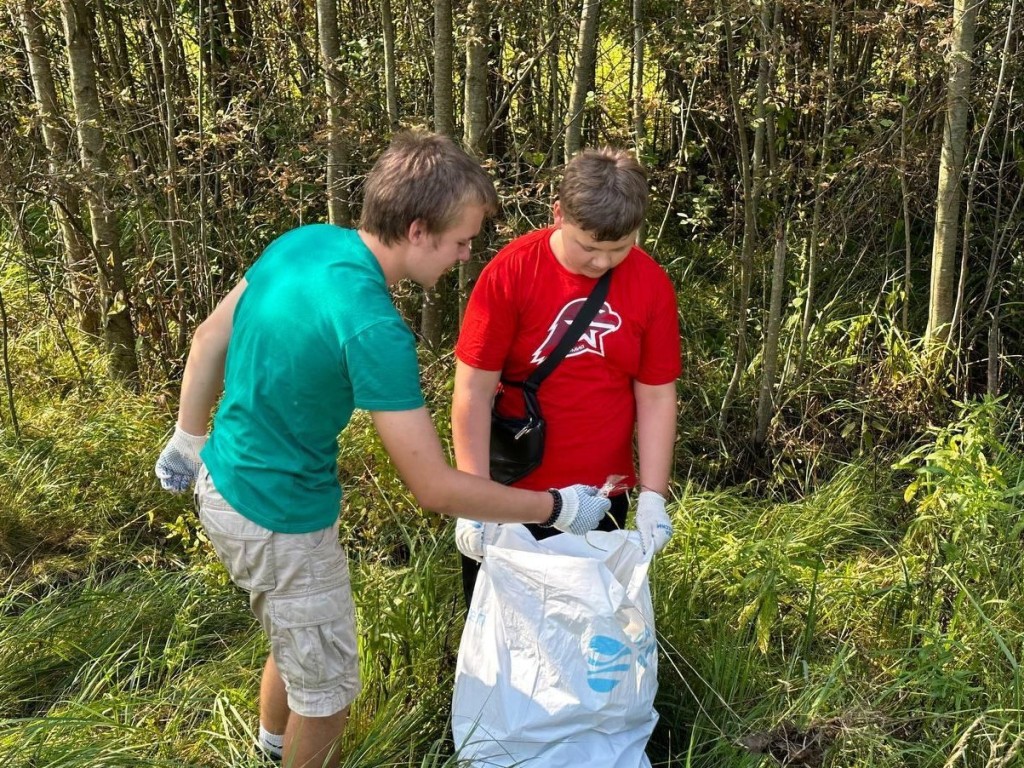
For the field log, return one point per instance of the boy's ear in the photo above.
(416, 232)
(556, 213)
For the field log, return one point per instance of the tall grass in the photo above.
(868, 613)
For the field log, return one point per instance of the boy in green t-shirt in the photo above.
(308, 335)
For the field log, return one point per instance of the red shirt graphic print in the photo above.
(606, 321)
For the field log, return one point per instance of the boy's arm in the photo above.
(411, 442)
(655, 434)
(178, 464)
(471, 417)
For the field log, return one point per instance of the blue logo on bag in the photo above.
(646, 646)
(607, 660)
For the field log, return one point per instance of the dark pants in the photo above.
(470, 567)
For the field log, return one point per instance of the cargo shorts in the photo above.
(299, 591)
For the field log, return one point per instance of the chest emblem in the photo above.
(606, 321)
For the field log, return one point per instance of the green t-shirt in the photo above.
(315, 335)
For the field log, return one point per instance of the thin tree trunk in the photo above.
(67, 208)
(905, 196)
(118, 332)
(637, 84)
(958, 306)
(553, 126)
(810, 299)
(390, 88)
(474, 118)
(750, 171)
(337, 157)
(586, 66)
(947, 202)
(178, 254)
(12, 409)
(475, 111)
(444, 122)
(444, 69)
(770, 356)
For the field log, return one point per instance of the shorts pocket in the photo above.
(313, 639)
(245, 548)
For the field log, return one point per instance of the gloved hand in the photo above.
(582, 509)
(471, 536)
(178, 465)
(653, 523)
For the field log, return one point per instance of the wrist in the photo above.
(556, 509)
(188, 443)
(648, 489)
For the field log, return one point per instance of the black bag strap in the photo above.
(587, 313)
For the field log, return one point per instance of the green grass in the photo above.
(871, 607)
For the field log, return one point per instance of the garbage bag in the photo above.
(558, 665)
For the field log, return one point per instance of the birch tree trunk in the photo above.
(67, 206)
(586, 66)
(390, 87)
(947, 200)
(337, 155)
(115, 300)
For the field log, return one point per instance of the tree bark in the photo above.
(179, 256)
(390, 87)
(947, 200)
(444, 123)
(474, 119)
(444, 69)
(67, 206)
(637, 85)
(337, 155)
(586, 66)
(751, 176)
(115, 300)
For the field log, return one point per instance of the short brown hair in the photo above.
(604, 192)
(425, 176)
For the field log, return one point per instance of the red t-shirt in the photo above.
(521, 306)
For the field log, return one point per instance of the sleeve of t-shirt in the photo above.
(382, 368)
(489, 325)
(660, 361)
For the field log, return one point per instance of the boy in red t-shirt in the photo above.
(620, 374)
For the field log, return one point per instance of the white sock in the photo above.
(271, 743)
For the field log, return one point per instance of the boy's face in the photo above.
(581, 254)
(434, 254)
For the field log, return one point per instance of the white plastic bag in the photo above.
(558, 665)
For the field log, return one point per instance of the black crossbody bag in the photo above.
(517, 444)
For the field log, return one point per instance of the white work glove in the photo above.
(178, 465)
(582, 509)
(471, 536)
(653, 523)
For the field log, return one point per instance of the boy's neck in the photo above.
(390, 257)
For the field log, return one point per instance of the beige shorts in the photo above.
(299, 590)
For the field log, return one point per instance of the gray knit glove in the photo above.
(178, 465)
(582, 509)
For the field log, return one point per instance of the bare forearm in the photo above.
(412, 443)
(200, 387)
(471, 418)
(460, 494)
(204, 369)
(656, 434)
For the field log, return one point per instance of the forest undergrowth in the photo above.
(849, 594)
